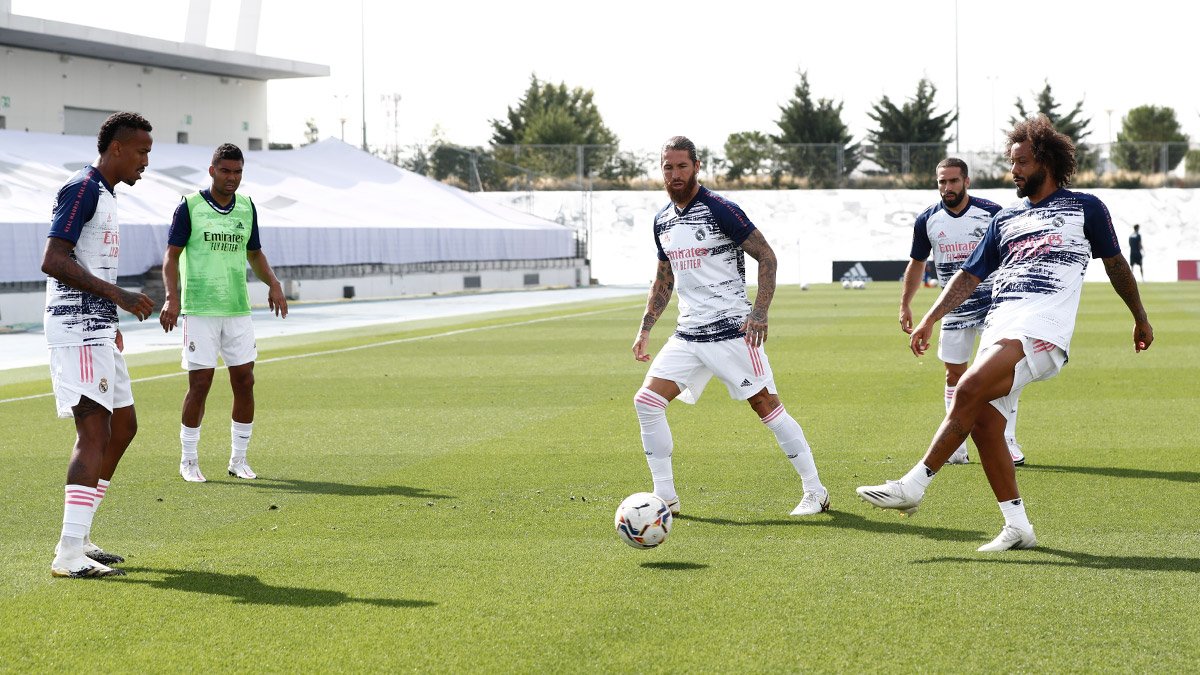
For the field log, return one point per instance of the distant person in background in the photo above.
(91, 382)
(1135, 252)
(951, 229)
(213, 234)
(1038, 251)
(701, 239)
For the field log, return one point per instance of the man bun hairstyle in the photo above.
(956, 162)
(227, 151)
(120, 124)
(1051, 149)
(681, 143)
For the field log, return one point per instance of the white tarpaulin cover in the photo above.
(323, 204)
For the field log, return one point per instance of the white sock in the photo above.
(1010, 427)
(239, 433)
(950, 399)
(920, 476)
(79, 505)
(101, 490)
(1014, 514)
(791, 440)
(190, 439)
(657, 442)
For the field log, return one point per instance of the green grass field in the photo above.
(445, 502)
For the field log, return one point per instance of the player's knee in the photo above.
(649, 405)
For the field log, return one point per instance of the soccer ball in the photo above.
(804, 286)
(643, 520)
(845, 283)
(859, 284)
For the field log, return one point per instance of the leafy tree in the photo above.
(820, 148)
(553, 115)
(1072, 124)
(747, 153)
(1140, 142)
(311, 133)
(914, 123)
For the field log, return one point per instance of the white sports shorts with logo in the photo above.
(744, 369)
(955, 346)
(206, 336)
(96, 371)
(1043, 360)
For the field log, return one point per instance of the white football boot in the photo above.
(891, 495)
(81, 567)
(960, 456)
(240, 469)
(813, 502)
(674, 506)
(1010, 538)
(1014, 449)
(190, 470)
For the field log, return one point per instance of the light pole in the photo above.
(394, 99)
(362, 54)
(957, 110)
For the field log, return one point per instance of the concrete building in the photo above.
(65, 78)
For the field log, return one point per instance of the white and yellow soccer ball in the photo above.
(643, 520)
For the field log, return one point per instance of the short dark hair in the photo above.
(956, 162)
(1050, 148)
(680, 143)
(227, 151)
(120, 124)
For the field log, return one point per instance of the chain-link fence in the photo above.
(783, 166)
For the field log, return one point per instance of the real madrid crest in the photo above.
(191, 346)
(103, 385)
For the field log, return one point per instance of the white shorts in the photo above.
(205, 336)
(95, 371)
(1043, 360)
(955, 346)
(744, 369)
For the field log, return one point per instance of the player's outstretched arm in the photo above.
(276, 300)
(57, 263)
(659, 298)
(961, 286)
(914, 274)
(756, 247)
(1121, 278)
(169, 316)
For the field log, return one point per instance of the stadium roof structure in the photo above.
(323, 204)
(66, 38)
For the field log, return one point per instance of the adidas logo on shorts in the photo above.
(745, 383)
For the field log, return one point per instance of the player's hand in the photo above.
(640, 344)
(906, 319)
(918, 340)
(1143, 336)
(137, 304)
(169, 315)
(120, 341)
(277, 301)
(755, 328)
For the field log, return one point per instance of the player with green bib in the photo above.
(214, 233)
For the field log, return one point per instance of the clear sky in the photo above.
(704, 69)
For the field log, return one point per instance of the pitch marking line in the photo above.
(372, 345)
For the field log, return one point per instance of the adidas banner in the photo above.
(868, 270)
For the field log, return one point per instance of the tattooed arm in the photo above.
(1121, 278)
(660, 297)
(756, 247)
(57, 263)
(961, 286)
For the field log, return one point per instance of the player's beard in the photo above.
(956, 197)
(1033, 183)
(682, 193)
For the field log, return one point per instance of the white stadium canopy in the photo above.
(323, 204)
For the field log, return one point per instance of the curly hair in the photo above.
(227, 151)
(1051, 149)
(120, 124)
(681, 143)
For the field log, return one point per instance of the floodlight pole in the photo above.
(362, 46)
(957, 111)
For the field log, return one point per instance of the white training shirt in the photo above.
(1037, 255)
(703, 244)
(85, 213)
(952, 238)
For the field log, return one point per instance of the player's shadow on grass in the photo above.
(844, 520)
(1079, 559)
(297, 486)
(1115, 472)
(247, 589)
(674, 566)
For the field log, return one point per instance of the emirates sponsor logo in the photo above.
(961, 247)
